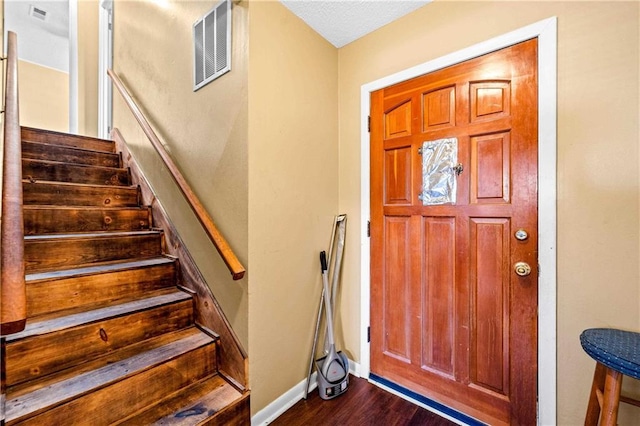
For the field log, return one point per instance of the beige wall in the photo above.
(44, 92)
(598, 163)
(260, 148)
(44, 97)
(293, 191)
(88, 67)
(205, 131)
(277, 216)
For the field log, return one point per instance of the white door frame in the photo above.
(73, 66)
(105, 62)
(546, 32)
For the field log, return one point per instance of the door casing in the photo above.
(546, 32)
(105, 62)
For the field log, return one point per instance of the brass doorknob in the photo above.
(522, 269)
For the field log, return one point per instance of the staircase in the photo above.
(111, 337)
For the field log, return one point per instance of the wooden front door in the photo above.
(450, 317)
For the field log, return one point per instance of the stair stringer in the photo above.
(232, 358)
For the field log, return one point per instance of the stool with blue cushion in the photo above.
(617, 354)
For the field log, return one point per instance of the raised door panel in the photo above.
(397, 121)
(489, 100)
(489, 355)
(396, 289)
(439, 108)
(491, 168)
(438, 294)
(397, 176)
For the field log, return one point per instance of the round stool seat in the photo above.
(616, 349)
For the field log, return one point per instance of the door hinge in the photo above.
(369, 124)
(369, 334)
(368, 228)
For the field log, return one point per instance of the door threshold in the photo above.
(424, 402)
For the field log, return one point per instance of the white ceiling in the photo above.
(338, 21)
(343, 21)
(41, 42)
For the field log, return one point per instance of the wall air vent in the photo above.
(37, 13)
(212, 45)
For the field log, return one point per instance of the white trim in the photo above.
(288, 399)
(105, 62)
(546, 31)
(42, 66)
(282, 403)
(547, 222)
(73, 66)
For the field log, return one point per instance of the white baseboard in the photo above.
(354, 368)
(290, 397)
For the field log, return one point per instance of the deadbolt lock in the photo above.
(522, 269)
(521, 235)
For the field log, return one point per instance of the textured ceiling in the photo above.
(41, 42)
(338, 21)
(343, 21)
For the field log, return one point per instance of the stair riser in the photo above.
(55, 295)
(62, 139)
(238, 414)
(38, 356)
(64, 253)
(71, 173)
(109, 338)
(196, 405)
(39, 151)
(47, 221)
(112, 403)
(76, 195)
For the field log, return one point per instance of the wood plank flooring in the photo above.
(362, 404)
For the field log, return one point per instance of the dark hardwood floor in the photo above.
(362, 404)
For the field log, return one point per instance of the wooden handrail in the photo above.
(227, 254)
(13, 306)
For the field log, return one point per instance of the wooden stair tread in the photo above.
(35, 328)
(87, 208)
(189, 406)
(59, 392)
(39, 219)
(79, 149)
(82, 166)
(78, 194)
(72, 309)
(72, 184)
(111, 338)
(65, 139)
(55, 293)
(49, 252)
(97, 269)
(50, 152)
(57, 171)
(109, 358)
(90, 235)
